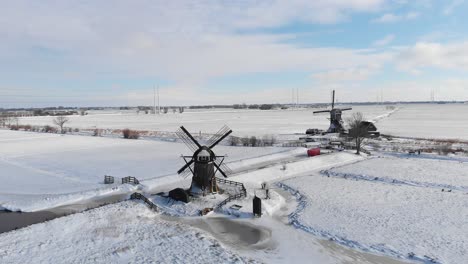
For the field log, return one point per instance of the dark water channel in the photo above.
(14, 220)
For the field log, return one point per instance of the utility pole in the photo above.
(297, 97)
(154, 100)
(292, 101)
(159, 106)
(381, 96)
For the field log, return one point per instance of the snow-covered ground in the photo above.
(128, 232)
(414, 222)
(242, 122)
(122, 233)
(389, 205)
(445, 121)
(43, 170)
(431, 173)
(442, 121)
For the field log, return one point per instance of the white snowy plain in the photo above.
(414, 222)
(440, 121)
(39, 171)
(385, 217)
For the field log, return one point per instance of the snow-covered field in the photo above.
(242, 122)
(446, 121)
(442, 121)
(361, 206)
(387, 205)
(421, 172)
(42, 170)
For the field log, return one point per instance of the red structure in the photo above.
(313, 152)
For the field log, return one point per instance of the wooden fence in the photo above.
(242, 193)
(139, 196)
(131, 180)
(108, 179)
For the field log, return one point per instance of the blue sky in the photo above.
(85, 53)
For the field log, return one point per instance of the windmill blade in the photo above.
(346, 109)
(220, 139)
(185, 166)
(225, 129)
(187, 173)
(226, 169)
(220, 170)
(322, 111)
(185, 136)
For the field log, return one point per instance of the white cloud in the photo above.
(346, 75)
(452, 56)
(392, 18)
(384, 41)
(276, 12)
(448, 10)
(187, 42)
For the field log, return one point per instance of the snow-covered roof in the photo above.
(203, 153)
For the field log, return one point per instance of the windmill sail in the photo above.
(224, 130)
(189, 141)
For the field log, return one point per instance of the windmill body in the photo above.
(336, 121)
(204, 171)
(204, 163)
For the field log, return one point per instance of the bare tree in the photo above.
(60, 121)
(253, 141)
(357, 130)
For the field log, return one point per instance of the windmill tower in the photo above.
(336, 122)
(204, 163)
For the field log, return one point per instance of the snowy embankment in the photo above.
(295, 169)
(416, 223)
(383, 116)
(119, 233)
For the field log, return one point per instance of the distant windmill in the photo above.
(204, 163)
(336, 122)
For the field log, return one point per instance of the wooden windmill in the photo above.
(204, 163)
(336, 122)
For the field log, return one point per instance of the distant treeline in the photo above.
(234, 106)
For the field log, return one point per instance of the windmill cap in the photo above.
(204, 153)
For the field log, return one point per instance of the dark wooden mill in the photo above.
(204, 163)
(336, 122)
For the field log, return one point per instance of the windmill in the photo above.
(204, 163)
(336, 122)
